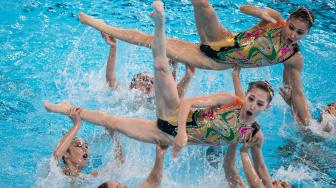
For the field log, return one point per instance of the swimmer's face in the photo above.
(255, 102)
(111, 184)
(143, 82)
(295, 30)
(77, 153)
(281, 184)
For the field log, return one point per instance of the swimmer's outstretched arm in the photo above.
(258, 159)
(292, 75)
(230, 169)
(196, 102)
(250, 173)
(155, 176)
(65, 142)
(184, 82)
(236, 82)
(266, 14)
(111, 62)
(286, 93)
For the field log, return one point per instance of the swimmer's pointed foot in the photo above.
(158, 12)
(88, 20)
(180, 141)
(83, 18)
(62, 108)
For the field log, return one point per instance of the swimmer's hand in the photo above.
(245, 146)
(109, 39)
(266, 16)
(180, 141)
(74, 114)
(236, 71)
(160, 150)
(190, 71)
(285, 93)
(247, 136)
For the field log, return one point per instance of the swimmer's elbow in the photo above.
(57, 154)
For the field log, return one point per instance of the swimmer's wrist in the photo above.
(307, 122)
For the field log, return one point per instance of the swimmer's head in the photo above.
(328, 117)
(303, 14)
(264, 86)
(76, 154)
(281, 184)
(258, 97)
(298, 25)
(143, 82)
(111, 184)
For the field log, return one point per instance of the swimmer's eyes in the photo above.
(283, 184)
(260, 104)
(291, 27)
(80, 145)
(251, 99)
(145, 79)
(300, 32)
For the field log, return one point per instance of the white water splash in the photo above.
(294, 174)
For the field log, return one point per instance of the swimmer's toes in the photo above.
(82, 17)
(158, 9)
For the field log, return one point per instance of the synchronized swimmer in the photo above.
(269, 42)
(215, 120)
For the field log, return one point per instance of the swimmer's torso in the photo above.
(259, 46)
(213, 126)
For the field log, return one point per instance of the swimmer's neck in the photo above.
(71, 170)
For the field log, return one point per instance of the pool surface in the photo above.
(45, 53)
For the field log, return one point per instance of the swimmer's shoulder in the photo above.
(296, 61)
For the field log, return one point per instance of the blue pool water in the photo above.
(45, 53)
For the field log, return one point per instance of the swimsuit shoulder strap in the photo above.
(255, 126)
(296, 49)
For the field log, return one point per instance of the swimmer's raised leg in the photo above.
(178, 50)
(165, 86)
(136, 128)
(128, 35)
(167, 98)
(208, 26)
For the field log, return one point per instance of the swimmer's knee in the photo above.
(161, 64)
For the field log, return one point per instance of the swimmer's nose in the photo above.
(85, 156)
